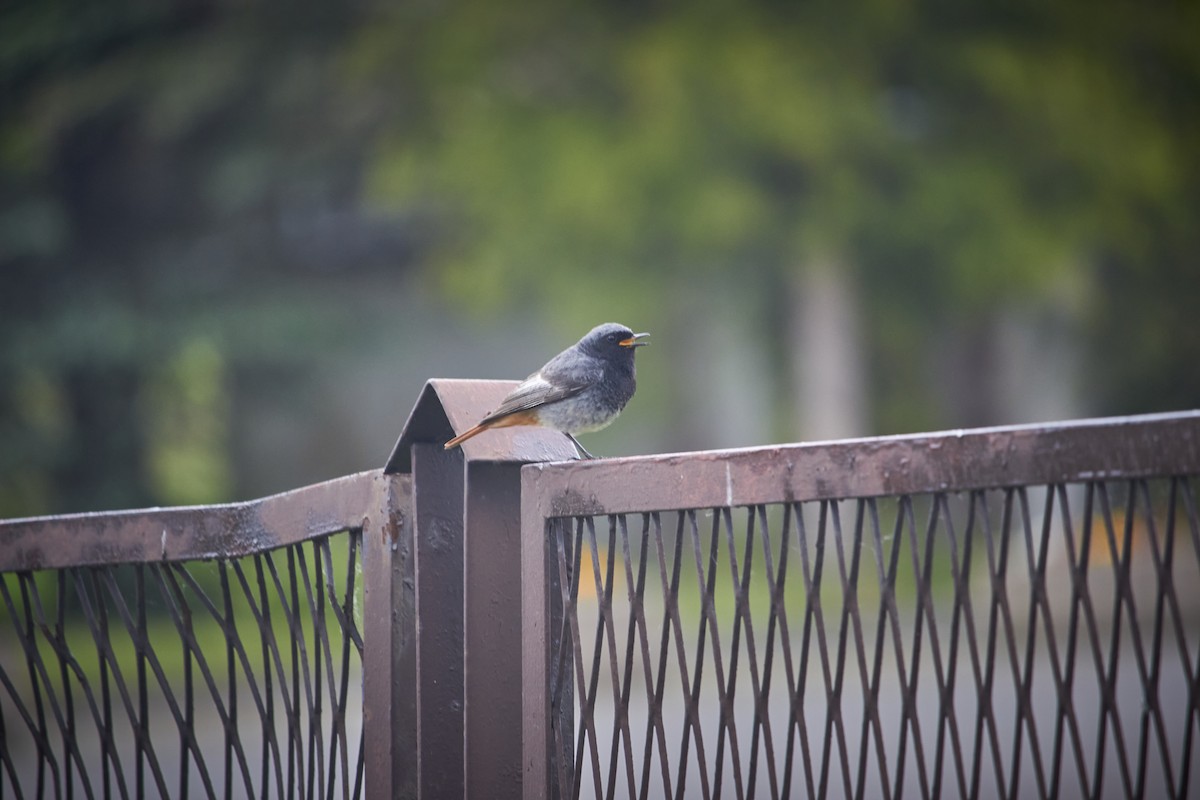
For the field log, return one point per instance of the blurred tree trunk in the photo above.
(1040, 358)
(1014, 364)
(828, 360)
(720, 378)
(964, 365)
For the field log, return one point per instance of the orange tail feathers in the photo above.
(462, 437)
(503, 421)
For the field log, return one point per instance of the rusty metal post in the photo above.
(493, 629)
(468, 587)
(389, 642)
(541, 635)
(438, 508)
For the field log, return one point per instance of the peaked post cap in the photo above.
(447, 407)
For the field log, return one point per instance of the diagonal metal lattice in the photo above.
(226, 678)
(1032, 641)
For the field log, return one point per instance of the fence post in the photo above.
(467, 581)
(544, 666)
(389, 642)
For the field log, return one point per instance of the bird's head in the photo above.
(612, 340)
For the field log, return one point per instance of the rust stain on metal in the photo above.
(574, 504)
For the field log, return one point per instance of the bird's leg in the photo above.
(582, 450)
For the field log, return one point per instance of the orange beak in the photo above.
(634, 341)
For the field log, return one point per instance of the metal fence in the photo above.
(184, 652)
(1010, 613)
(102, 714)
(1003, 613)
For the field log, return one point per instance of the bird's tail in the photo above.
(462, 437)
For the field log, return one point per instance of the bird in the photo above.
(582, 389)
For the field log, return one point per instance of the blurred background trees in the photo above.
(235, 238)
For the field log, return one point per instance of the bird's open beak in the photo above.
(634, 341)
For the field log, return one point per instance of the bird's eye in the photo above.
(612, 337)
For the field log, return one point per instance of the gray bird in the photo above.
(582, 389)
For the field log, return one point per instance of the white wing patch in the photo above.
(534, 382)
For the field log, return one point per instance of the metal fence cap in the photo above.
(447, 407)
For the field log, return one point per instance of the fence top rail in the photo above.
(187, 533)
(1060, 452)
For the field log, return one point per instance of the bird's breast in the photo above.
(591, 409)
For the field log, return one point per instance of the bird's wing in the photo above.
(538, 390)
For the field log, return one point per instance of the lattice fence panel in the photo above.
(1038, 641)
(224, 678)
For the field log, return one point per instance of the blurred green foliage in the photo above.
(978, 155)
(186, 408)
(187, 192)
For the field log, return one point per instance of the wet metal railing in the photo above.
(1000, 613)
(271, 648)
(1009, 612)
(212, 652)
